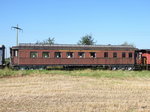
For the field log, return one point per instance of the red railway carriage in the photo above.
(43, 56)
(143, 58)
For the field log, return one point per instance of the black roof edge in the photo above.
(143, 50)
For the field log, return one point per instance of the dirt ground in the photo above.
(60, 93)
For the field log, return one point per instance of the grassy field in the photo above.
(86, 72)
(74, 91)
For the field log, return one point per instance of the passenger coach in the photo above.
(32, 56)
(2, 56)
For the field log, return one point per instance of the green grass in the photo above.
(87, 72)
(8, 72)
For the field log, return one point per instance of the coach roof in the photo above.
(73, 47)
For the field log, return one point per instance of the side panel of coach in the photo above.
(2, 56)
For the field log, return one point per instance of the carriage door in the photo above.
(1, 55)
(144, 60)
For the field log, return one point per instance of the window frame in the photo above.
(106, 55)
(115, 55)
(130, 55)
(70, 54)
(47, 53)
(15, 53)
(81, 56)
(123, 54)
(55, 54)
(31, 55)
(92, 56)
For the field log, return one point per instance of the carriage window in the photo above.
(105, 54)
(130, 55)
(123, 55)
(92, 54)
(114, 55)
(57, 54)
(15, 53)
(33, 54)
(45, 54)
(81, 54)
(69, 54)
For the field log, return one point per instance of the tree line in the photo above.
(84, 40)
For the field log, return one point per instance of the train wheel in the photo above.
(130, 68)
(114, 68)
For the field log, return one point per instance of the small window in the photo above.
(92, 54)
(114, 55)
(45, 54)
(81, 54)
(69, 54)
(57, 54)
(33, 54)
(130, 55)
(123, 55)
(105, 54)
(15, 53)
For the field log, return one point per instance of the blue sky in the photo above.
(108, 21)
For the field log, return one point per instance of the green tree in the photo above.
(128, 44)
(86, 40)
(49, 41)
